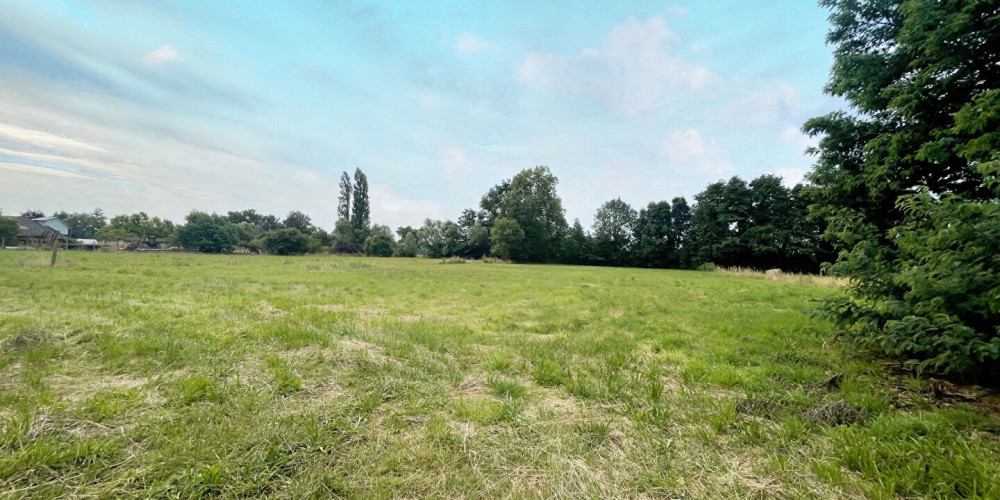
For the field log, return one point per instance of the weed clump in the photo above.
(757, 407)
(839, 413)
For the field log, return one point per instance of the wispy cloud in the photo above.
(772, 108)
(162, 55)
(689, 150)
(469, 44)
(454, 162)
(632, 73)
(791, 176)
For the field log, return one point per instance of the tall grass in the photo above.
(183, 375)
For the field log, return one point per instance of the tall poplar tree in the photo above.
(361, 211)
(344, 200)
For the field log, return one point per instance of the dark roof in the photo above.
(33, 229)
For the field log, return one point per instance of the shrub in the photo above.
(345, 247)
(288, 241)
(380, 243)
(943, 310)
(207, 233)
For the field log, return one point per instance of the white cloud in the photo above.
(688, 151)
(773, 107)
(791, 176)
(676, 9)
(632, 73)
(162, 55)
(394, 210)
(100, 151)
(795, 138)
(468, 44)
(35, 170)
(428, 102)
(21, 136)
(454, 162)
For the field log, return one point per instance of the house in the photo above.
(34, 233)
(55, 223)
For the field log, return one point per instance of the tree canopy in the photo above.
(922, 79)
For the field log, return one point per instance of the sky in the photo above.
(168, 107)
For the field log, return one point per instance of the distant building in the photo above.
(55, 223)
(87, 243)
(33, 232)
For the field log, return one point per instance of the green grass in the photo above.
(175, 375)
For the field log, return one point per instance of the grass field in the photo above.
(177, 375)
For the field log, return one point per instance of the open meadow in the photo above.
(185, 375)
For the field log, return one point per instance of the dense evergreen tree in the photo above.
(922, 78)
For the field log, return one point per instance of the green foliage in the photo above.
(578, 246)
(343, 232)
(506, 238)
(260, 221)
(287, 241)
(453, 242)
(477, 243)
(614, 224)
(431, 239)
(9, 230)
(409, 246)
(142, 226)
(896, 179)
(344, 197)
(84, 225)
(380, 243)
(207, 233)
(360, 210)
(112, 233)
(298, 220)
(946, 315)
(530, 199)
(655, 242)
(760, 225)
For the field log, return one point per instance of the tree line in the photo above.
(760, 224)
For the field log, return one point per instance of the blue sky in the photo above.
(172, 106)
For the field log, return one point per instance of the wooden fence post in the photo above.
(55, 248)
